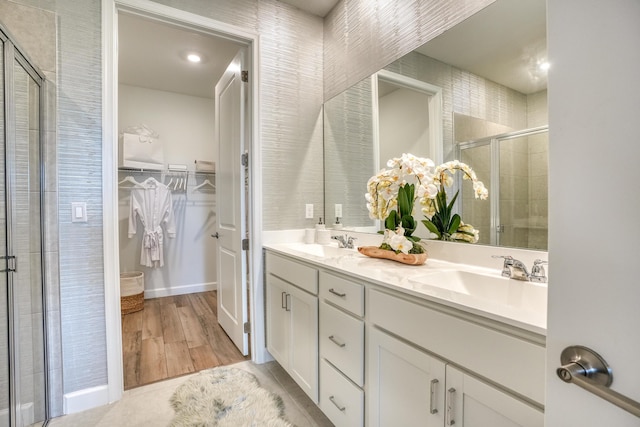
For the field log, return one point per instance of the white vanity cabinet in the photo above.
(405, 380)
(371, 354)
(405, 385)
(341, 339)
(292, 319)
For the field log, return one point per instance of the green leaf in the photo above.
(404, 207)
(455, 223)
(409, 225)
(432, 227)
(453, 201)
(391, 222)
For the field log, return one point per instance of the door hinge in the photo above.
(11, 264)
(244, 76)
(245, 244)
(247, 327)
(245, 159)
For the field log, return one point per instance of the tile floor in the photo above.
(149, 405)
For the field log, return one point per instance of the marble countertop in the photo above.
(477, 290)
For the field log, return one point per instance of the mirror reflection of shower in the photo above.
(514, 167)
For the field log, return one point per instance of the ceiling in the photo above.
(153, 55)
(504, 43)
(489, 44)
(317, 7)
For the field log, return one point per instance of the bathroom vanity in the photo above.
(378, 343)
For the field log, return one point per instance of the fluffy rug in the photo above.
(226, 397)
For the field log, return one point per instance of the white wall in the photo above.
(185, 126)
(403, 124)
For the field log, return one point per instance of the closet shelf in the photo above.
(167, 171)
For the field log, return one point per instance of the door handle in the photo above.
(216, 235)
(287, 302)
(587, 369)
(283, 299)
(432, 396)
(340, 294)
(451, 392)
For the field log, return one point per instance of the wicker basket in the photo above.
(131, 292)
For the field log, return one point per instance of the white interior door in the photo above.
(230, 204)
(594, 151)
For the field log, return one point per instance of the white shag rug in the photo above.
(226, 397)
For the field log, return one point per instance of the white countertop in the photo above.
(477, 290)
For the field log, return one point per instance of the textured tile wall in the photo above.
(291, 102)
(348, 167)
(291, 95)
(362, 37)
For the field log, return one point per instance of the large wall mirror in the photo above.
(476, 93)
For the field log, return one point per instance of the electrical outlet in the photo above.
(338, 210)
(308, 213)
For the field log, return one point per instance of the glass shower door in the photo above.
(22, 343)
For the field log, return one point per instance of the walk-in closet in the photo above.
(168, 203)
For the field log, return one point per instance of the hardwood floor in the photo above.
(174, 336)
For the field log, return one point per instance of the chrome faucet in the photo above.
(515, 269)
(344, 241)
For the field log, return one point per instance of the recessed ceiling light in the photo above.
(194, 57)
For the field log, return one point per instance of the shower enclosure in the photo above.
(23, 373)
(514, 168)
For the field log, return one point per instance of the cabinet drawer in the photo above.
(342, 292)
(300, 275)
(340, 400)
(342, 342)
(481, 349)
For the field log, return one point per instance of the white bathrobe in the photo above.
(151, 202)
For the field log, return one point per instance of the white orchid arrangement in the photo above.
(392, 193)
(391, 196)
(438, 211)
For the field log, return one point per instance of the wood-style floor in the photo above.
(174, 336)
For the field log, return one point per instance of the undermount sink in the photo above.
(498, 289)
(326, 251)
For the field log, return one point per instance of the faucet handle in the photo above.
(537, 271)
(508, 261)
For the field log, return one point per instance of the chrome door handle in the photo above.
(587, 369)
(432, 396)
(450, 420)
(283, 300)
(216, 235)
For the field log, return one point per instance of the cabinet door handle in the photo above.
(283, 299)
(336, 342)
(432, 396)
(450, 420)
(288, 302)
(340, 294)
(333, 400)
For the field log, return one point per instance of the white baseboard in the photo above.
(27, 415)
(87, 398)
(180, 290)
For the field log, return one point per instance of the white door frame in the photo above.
(168, 14)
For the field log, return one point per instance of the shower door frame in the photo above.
(494, 178)
(11, 54)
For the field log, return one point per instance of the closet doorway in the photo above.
(169, 201)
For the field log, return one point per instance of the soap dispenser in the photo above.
(323, 236)
(338, 224)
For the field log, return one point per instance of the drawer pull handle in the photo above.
(333, 400)
(283, 299)
(450, 420)
(432, 397)
(341, 295)
(336, 342)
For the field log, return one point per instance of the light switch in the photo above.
(78, 212)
